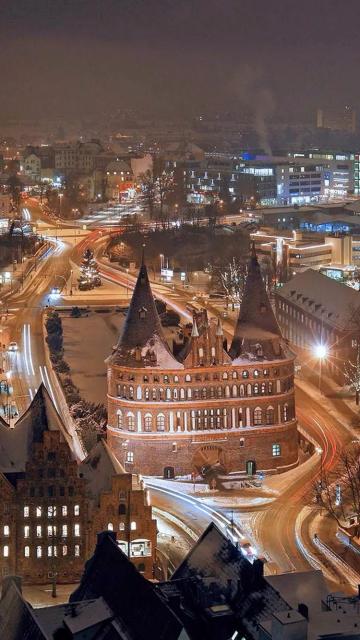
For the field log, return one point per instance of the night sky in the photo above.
(78, 57)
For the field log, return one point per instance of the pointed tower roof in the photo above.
(142, 342)
(256, 323)
(16, 443)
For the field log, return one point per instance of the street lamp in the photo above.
(320, 352)
(61, 195)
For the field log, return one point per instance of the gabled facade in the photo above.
(206, 409)
(52, 506)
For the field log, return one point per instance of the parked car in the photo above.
(13, 346)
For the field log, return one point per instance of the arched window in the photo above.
(175, 394)
(188, 393)
(27, 552)
(133, 526)
(146, 394)
(39, 552)
(227, 391)
(286, 413)
(120, 422)
(257, 416)
(182, 394)
(160, 422)
(188, 378)
(256, 373)
(269, 416)
(110, 526)
(248, 390)
(242, 391)
(148, 422)
(256, 388)
(245, 374)
(176, 379)
(122, 509)
(234, 375)
(212, 392)
(130, 422)
(263, 388)
(270, 387)
(154, 394)
(234, 391)
(219, 392)
(131, 393)
(168, 394)
(161, 394)
(225, 376)
(203, 392)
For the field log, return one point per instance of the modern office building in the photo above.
(337, 119)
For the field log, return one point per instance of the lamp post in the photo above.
(320, 351)
(61, 195)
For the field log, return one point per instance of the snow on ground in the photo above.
(87, 342)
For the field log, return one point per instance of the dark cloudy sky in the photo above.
(92, 56)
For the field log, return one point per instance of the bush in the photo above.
(62, 367)
(75, 312)
(53, 323)
(55, 342)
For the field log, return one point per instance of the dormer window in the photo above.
(142, 313)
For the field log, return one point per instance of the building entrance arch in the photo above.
(209, 458)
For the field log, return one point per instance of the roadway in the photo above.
(273, 528)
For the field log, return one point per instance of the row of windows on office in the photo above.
(51, 511)
(50, 551)
(209, 418)
(198, 377)
(310, 323)
(40, 531)
(51, 491)
(228, 391)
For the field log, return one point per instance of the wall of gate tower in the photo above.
(225, 415)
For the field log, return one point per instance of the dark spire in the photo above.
(256, 322)
(142, 342)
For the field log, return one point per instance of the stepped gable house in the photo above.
(53, 506)
(206, 408)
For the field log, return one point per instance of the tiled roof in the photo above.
(332, 302)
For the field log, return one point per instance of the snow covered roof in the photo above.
(16, 443)
(256, 324)
(332, 302)
(99, 467)
(78, 617)
(17, 617)
(142, 342)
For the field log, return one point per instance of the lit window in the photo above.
(64, 510)
(130, 456)
(77, 530)
(26, 512)
(38, 512)
(256, 373)
(64, 550)
(51, 530)
(38, 531)
(257, 416)
(160, 422)
(276, 450)
(77, 550)
(148, 422)
(131, 422)
(26, 531)
(6, 530)
(50, 551)
(133, 526)
(6, 551)
(27, 552)
(64, 531)
(245, 374)
(51, 511)
(76, 510)
(121, 526)
(110, 526)
(39, 552)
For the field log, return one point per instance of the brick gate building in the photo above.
(207, 408)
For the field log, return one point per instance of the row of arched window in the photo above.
(227, 391)
(198, 377)
(208, 418)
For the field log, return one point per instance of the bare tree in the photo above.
(339, 492)
(230, 277)
(352, 375)
(148, 188)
